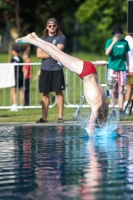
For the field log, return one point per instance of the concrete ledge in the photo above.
(69, 123)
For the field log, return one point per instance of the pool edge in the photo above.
(68, 123)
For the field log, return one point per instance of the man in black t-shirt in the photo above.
(19, 78)
(51, 76)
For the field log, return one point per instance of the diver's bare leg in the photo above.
(54, 47)
(71, 63)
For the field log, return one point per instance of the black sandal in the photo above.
(60, 120)
(41, 121)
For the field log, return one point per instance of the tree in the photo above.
(32, 15)
(22, 16)
(98, 18)
(104, 13)
(14, 13)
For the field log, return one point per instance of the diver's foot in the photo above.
(24, 40)
(21, 42)
(34, 35)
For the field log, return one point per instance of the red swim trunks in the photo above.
(88, 68)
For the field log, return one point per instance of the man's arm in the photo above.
(60, 46)
(37, 75)
(109, 49)
(25, 71)
(43, 55)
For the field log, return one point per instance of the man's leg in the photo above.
(21, 96)
(60, 103)
(27, 91)
(14, 97)
(45, 105)
(120, 96)
(113, 102)
(128, 98)
(120, 100)
(113, 98)
(128, 92)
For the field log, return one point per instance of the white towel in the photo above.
(7, 75)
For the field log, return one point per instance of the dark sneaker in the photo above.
(112, 115)
(41, 121)
(60, 120)
(121, 114)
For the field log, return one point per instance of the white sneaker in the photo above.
(21, 107)
(128, 109)
(124, 105)
(14, 108)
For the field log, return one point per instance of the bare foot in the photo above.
(24, 40)
(34, 35)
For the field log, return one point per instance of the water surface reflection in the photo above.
(58, 162)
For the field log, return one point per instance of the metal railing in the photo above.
(72, 93)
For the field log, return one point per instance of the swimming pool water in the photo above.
(62, 163)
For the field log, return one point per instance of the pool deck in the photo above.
(66, 123)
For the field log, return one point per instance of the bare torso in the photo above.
(93, 91)
(96, 98)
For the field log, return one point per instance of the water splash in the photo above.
(107, 130)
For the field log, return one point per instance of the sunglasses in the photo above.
(54, 25)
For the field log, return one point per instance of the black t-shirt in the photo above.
(49, 64)
(18, 59)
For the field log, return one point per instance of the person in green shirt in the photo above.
(116, 49)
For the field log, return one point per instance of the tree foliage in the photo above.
(104, 13)
(31, 15)
(99, 17)
(87, 24)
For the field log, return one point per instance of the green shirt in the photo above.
(117, 57)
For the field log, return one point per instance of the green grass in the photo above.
(31, 115)
(4, 58)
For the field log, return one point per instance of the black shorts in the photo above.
(19, 81)
(51, 81)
